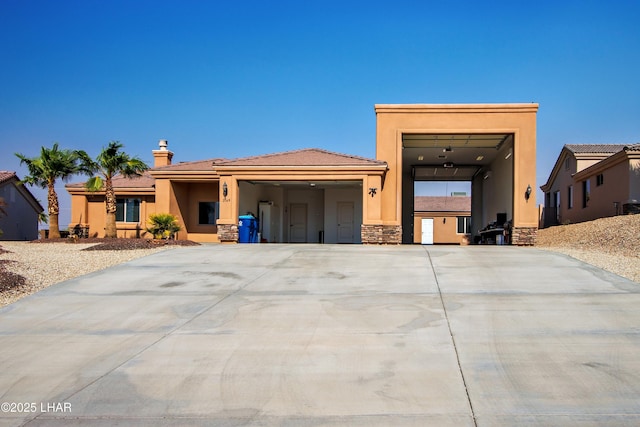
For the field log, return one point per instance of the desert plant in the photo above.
(45, 170)
(163, 225)
(112, 161)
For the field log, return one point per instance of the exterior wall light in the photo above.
(225, 190)
(527, 193)
(373, 191)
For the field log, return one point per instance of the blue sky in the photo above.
(230, 79)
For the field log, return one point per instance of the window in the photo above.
(128, 210)
(464, 225)
(599, 180)
(586, 193)
(566, 164)
(570, 197)
(207, 213)
(556, 197)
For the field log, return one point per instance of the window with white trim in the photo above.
(464, 225)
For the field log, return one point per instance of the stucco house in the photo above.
(22, 209)
(314, 195)
(590, 181)
(442, 219)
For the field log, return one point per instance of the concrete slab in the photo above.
(327, 335)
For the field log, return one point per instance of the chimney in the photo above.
(162, 156)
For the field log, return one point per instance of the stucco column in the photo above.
(525, 211)
(229, 206)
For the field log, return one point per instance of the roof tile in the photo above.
(6, 176)
(303, 157)
(442, 204)
(198, 165)
(595, 148)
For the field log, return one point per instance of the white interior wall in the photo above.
(497, 190)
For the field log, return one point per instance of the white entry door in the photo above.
(427, 231)
(298, 223)
(345, 222)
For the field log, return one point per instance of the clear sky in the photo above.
(238, 78)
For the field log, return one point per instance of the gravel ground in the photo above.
(612, 244)
(27, 267)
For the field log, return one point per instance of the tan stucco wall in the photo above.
(615, 188)
(445, 227)
(182, 199)
(90, 210)
(517, 119)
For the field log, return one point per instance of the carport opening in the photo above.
(480, 165)
(304, 211)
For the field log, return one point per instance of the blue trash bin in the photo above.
(247, 229)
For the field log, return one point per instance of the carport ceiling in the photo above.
(447, 157)
(301, 185)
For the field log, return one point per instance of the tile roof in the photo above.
(119, 181)
(442, 204)
(632, 147)
(6, 176)
(595, 148)
(198, 165)
(303, 157)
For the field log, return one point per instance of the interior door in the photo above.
(298, 223)
(427, 231)
(345, 222)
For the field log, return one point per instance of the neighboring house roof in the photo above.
(303, 157)
(7, 177)
(627, 153)
(442, 204)
(600, 152)
(595, 148)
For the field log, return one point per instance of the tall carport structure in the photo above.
(493, 146)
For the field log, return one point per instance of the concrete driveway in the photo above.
(315, 335)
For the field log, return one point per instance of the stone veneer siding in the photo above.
(228, 232)
(524, 236)
(381, 234)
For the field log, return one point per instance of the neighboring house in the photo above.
(313, 195)
(439, 219)
(590, 181)
(22, 211)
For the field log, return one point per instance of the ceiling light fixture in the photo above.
(508, 154)
(447, 150)
(420, 158)
(479, 158)
(448, 164)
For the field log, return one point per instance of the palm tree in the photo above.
(110, 162)
(53, 164)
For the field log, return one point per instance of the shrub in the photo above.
(163, 226)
